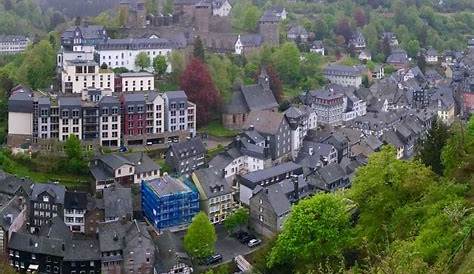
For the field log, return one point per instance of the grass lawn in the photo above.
(216, 129)
(68, 180)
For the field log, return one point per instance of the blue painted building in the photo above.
(168, 202)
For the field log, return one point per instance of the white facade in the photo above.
(239, 48)
(79, 53)
(13, 44)
(243, 165)
(78, 75)
(117, 58)
(431, 59)
(223, 10)
(317, 50)
(158, 110)
(244, 194)
(20, 123)
(74, 219)
(139, 81)
(68, 126)
(109, 126)
(146, 176)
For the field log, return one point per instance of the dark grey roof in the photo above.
(57, 229)
(237, 103)
(13, 39)
(188, 149)
(21, 100)
(170, 252)
(335, 69)
(36, 244)
(82, 250)
(9, 212)
(258, 98)
(260, 175)
(276, 197)
(72, 101)
(251, 40)
(111, 235)
(220, 161)
(331, 173)
(55, 190)
(178, 94)
(75, 200)
(269, 16)
(134, 97)
(167, 185)
(213, 184)
(265, 121)
(142, 162)
(297, 31)
(135, 44)
(117, 202)
(10, 184)
(398, 57)
(391, 138)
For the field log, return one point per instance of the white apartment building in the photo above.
(11, 44)
(136, 81)
(110, 121)
(77, 75)
(116, 53)
(70, 121)
(343, 75)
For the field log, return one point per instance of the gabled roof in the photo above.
(117, 202)
(258, 98)
(260, 175)
(188, 149)
(170, 252)
(213, 184)
(75, 200)
(56, 191)
(265, 121)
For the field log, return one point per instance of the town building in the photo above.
(215, 193)
(329, 105)
(122, 53)
(117, 204)
(301, 119)
(134, 81)
(172, 257)
(247, 43)
(187, 156)
(221, 8)
(46, 202)
(78, 36)
(248, 99)
(266, 177)
(13, 215)
(275, 130)
(169, 202)
(343, 75)
(398, 58)
(180, 114)
(245, 154)
(126, 247)
(357, 41)
(125, 169)
(271, 205)
(77, 75)
(75, 207)
(317, 47)
(431, 56)
(12, 44)
(298, 34)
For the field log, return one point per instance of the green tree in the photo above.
(429, 149)
(318, 229)
(412, 48)
(384, 191)
(160, 65)
(198, 50)
(245, 15)
(237, 219)
(286, 60)
(37, 69)
(142, 60)
(168, 7)
(178, 64)
(151, 6)
(76, 160)
(200, 239)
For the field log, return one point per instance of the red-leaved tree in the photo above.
(198, 86)
(359, 17)
(275, 83)
(344, 28)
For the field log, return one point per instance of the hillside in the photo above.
(72, 8)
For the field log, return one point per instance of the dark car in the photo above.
(216, 258)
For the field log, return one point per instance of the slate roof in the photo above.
(21, 101)
(36, 244)
(82, 250)
(111, 235)
(139, 160)
(251, 179)
(117, 202)
(188, 149)
(237, 103)
(13, 39)
(297, 31)
(269, 16)
(391, 138)
(335, 69)
(398, 56)
(251, 40)
(10, 184)
(265, 121)
(258, 98)
(55, 190)
(75, 200)
(213, 184)
(170, 252)
(135, 44)
(9, 212)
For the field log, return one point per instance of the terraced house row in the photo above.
(100, 118)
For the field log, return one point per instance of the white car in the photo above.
(254, 242)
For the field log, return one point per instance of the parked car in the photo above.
(254, 243)
(216, 258)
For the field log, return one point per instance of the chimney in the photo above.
(251, 127)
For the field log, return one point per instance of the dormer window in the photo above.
(45, 199)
